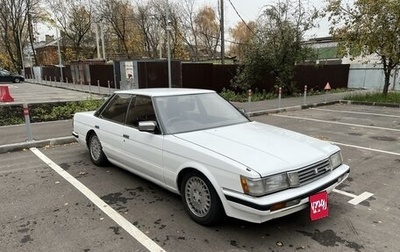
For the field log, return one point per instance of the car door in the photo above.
(143, 149)
(111, 125)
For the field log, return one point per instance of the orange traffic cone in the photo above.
(327, 87)
(5, 94)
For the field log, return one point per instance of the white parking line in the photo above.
(365, 195)
(354, 112)
(340, 123)
(114, 215)
(360, 198)
(366, 148)
(356, 199)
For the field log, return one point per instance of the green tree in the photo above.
(123, 18)
(277, 45)
(189, 31)
(74, 19)
(149, 23)
(173, 26)
(368, 27)
(241, 33)
(16, 31)
(208, 31)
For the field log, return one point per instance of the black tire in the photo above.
(96, 151)
(17, 80)
(200, 199)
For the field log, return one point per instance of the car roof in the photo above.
(165, 91)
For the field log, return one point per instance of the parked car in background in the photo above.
(6, 76)
(196, 144)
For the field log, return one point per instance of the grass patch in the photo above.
(392, 97)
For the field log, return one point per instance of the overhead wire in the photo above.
(238, 14)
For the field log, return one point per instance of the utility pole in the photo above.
(97, 39)
(21, 51)
(168, 28)
(102, 41)
(59, 55)
(222, 33)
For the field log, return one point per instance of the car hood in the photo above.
(261, 147)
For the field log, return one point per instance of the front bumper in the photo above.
(260, 209)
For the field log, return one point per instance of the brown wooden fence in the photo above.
(316, 76)
(217, 77)
(102, 74)
(207, 76)
(52, 73)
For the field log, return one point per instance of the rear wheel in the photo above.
(96, 151)
(200, 199)
(17, 80)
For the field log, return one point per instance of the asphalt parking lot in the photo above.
(55, 199)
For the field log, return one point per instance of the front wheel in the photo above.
(17, 80)
(200, 199)
(96, 151)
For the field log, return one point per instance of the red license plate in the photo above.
(318, 206)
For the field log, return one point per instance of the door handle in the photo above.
(125, 136)
(97, 127)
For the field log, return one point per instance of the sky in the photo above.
(249, 10)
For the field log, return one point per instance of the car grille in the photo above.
(312, 172)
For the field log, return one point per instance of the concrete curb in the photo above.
(286, 109)
(389, 105)
(40, 143)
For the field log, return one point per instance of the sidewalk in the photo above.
(292, 103)
(13, 138)
(95, 88)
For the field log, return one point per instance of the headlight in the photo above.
(336, 160)
(254, 187)
(259, 187)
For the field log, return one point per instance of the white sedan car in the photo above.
(196, 144)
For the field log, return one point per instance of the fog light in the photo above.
(292, 202)
(278, 206)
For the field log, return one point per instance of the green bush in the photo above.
(232, 96)
(11, 115)
(42, 112)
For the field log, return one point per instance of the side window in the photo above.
(116, 109)
(140, 109)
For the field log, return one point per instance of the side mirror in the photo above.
(244, 112)
(148, 126)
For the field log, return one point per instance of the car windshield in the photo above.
(185, 113)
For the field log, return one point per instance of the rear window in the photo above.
(117, 108)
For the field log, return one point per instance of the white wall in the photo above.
(370, 76)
